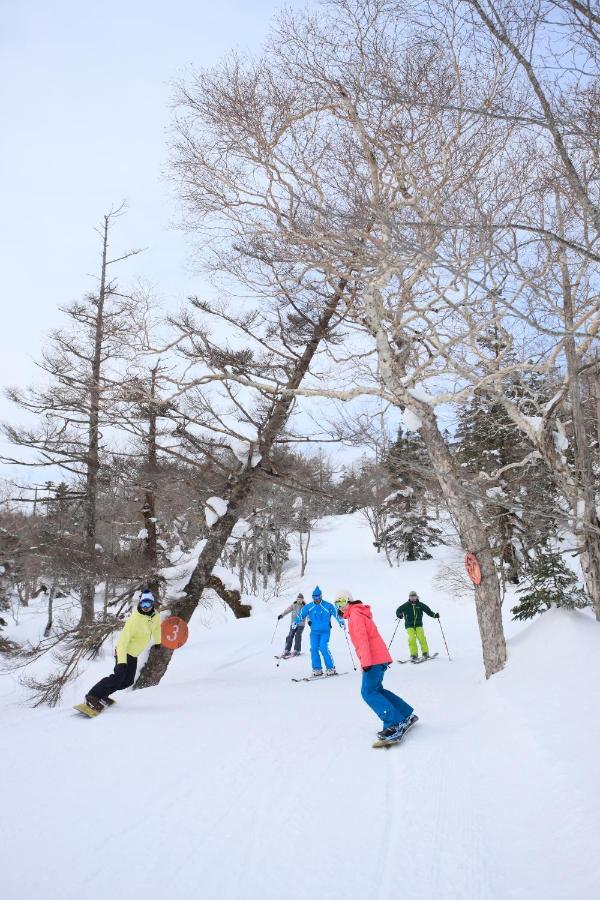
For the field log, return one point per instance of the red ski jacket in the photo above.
(368, 643)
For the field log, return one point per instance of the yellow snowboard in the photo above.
(87, 710)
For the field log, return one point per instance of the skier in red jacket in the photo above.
(374, 658)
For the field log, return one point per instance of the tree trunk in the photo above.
(92, 458)
(149, 507)
(587, 521)
(239, 489)
(48, 627)
(470, 528)
(474, 540)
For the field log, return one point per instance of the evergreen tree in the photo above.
(409, 530)
(519, 506)
(547, 582)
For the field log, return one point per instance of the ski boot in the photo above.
(413, 659)
(408, 723)
(394, 732)
(388, 732)
(317, 672)
(330, 672)
(425, 656)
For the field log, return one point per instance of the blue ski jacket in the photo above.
(321, 615)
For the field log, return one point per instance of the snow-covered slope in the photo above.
(230, 782)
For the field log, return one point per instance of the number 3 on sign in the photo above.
(174, 632)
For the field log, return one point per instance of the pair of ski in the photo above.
(391, 741)
(288, 655)
(319, 677)
(417, 662)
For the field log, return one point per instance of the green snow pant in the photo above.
(413, 634)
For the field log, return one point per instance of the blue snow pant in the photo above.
(390, 708)
(318, 645)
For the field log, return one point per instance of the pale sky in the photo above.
(84, 105)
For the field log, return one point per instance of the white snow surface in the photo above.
(215, 508)
(230, 782)
(411, 420)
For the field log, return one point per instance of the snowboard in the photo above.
(396, 740)
(89, 712)
(417, 662)
(319, 677)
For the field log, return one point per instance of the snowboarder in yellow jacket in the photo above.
(142, 626)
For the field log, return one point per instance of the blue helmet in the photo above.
(316, 594)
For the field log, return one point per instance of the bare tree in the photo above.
(72, 406)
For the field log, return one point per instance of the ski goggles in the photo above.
(146, 604)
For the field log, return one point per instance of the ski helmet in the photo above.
(317, 595)
(147, 601)
(413, 596)
(343, 598)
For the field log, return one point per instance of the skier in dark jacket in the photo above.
(412, 613)
(296, 631)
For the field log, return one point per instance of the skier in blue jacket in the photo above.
(320, 614)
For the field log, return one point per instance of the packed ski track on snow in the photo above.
(230, 782)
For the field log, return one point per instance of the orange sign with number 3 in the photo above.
(174, 633)
(472, 567)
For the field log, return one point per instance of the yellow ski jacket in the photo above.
(138, 630)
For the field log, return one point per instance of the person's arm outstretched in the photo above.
(429, 612)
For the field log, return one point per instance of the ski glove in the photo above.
(437, 615)
(279, 617)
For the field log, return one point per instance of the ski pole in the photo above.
(276, 624)
(444, 636)
(394, 634)
(349, 650)
(279, 658)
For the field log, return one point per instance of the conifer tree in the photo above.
(547, 582)
(409, 530)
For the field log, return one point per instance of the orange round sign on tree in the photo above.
(174, 632)
(472, 567)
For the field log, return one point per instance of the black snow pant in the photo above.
(121, 678)
(295, 635)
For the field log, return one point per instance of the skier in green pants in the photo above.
(412, 613)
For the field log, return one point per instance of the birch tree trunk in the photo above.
(471, 531)
(588, 523)
(474, 540)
